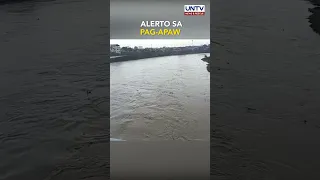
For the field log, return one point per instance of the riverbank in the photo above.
(145, 56)
(207, 59)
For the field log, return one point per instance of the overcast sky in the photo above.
(126, 17)
(159, 42)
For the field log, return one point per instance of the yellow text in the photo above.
(159, 32)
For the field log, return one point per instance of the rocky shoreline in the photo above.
(145, 56)
(207, 60)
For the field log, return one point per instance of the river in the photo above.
(51, 53)
(164, 98)
(264, 90)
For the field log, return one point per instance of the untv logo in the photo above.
(194, 10)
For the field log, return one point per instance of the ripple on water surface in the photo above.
(160, 98)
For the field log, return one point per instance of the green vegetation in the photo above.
(135, 53)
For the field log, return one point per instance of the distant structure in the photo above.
(115, 48)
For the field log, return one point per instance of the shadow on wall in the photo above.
(314, 18)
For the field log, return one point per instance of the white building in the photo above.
(115, 48)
